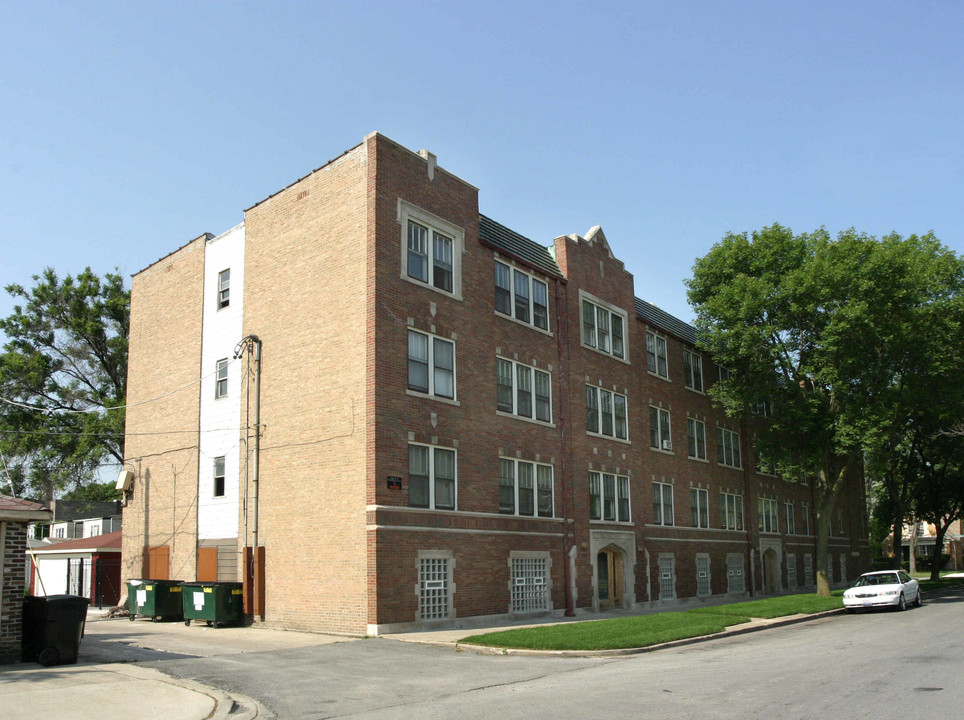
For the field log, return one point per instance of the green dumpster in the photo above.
(218, 603)
(156, 599)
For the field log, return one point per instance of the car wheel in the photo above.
(919, 602)
(901, 603)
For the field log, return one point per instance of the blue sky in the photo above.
(127, 129)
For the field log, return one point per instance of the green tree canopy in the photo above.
(835, 333)
(62, 370)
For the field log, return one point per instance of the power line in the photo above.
(90, 411)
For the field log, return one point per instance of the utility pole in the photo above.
(252, 345)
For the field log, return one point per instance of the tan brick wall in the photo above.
(305, 297)
(162, 420)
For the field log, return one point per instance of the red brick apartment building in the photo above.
(457, 424)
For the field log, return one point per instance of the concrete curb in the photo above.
(742, 629)
(235, 707)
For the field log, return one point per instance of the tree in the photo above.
(828, 331)
(63, 373)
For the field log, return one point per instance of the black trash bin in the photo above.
(52, 628)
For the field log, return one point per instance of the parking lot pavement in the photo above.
(105, 684)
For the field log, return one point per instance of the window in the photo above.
(523, 390)
(662, 504)
(609, 497)
(764, 465)
(606, 413)
(702, 575)
(431, 365)
(525, 488)
(732, 506)
(791, 525)
(221, 379)
(805, 514)
(693, 370)
(219, 477)
(700, 507)
(768, 515)
(667, 577)
(602, 328)
(659, 429)
(656, 355)
(530, 582)
(433, 586)
(431, 477)
(721, 373)
(224, 288)
(808, 569)
(431, 249)
(791, 570)
(696, 438)
(728, 448)
(519, 295)
(734, 574)
(430, 256)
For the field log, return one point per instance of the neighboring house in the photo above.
(926, 538)
(79, 519)
(15, 514)
(86, 566)
(454, 422)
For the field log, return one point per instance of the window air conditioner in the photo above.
(667, 445)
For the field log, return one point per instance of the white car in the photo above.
(893, 588)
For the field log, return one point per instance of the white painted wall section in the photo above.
(221, 417)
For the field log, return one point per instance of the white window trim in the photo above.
(599, 414)
(672, 503)
(687, 379)
(767, 510)
(702, 424)
(738, 522)
(612, 310)
(734, 438)
(790, 518)
(532, 303)
(701, 492)
(407, 211)
(223, 476)
(454, 400)
(515, 397)
(225, 364)
(535, 488)
(656, 336)
(664, 444)
(431, 476)
(617, 481)
(223, 299)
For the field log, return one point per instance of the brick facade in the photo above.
(337, 300)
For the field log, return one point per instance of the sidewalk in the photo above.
(110, 692)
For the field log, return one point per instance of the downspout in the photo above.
(561, 337)
(255, 465)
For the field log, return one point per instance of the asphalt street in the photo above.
(842, 666)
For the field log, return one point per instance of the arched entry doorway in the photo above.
(609, 578)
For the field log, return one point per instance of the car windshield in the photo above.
(885, 579)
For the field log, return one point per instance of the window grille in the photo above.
(667, 578)
(735, 582)
(434, 589)
(702, 576)
(530, 584)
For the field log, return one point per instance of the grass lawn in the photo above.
(612, 634)
(778, 606)
(646, 630)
